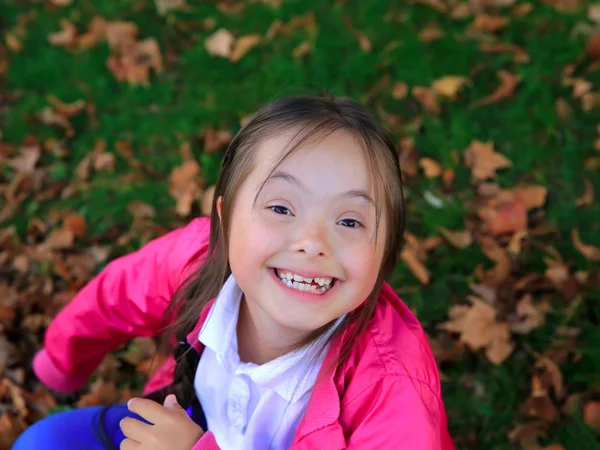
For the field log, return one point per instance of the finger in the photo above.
(128, 444)
(134, 429)
(147, 409)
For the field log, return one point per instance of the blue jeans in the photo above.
(79, 429)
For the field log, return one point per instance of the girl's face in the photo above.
(314, 218)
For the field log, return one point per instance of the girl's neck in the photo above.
(260, 340)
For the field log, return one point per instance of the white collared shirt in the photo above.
(249, 406)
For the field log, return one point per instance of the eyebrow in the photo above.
(354, 193)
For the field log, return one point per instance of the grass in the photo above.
(198, 91)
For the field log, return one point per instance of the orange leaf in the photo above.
(416, 267)
(488, 23)
(587, 198)
(399, 90)
(484, 161)
(243, 45)
(589, 251)
(430, 168)
(498, 274)
(508, 84)
(532, 196)
(427, 97)
(76, 224)
(458, 239)
(591, 415)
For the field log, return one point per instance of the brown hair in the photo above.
(314, 118)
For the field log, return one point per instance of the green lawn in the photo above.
(197, 91)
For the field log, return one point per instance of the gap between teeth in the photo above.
(304, 284)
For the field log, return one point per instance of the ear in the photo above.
(219, 206)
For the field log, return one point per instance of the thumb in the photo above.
(172, 405)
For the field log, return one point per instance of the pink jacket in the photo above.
(386, 396)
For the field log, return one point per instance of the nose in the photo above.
(311, 239)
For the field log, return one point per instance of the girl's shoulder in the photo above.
(393, 345)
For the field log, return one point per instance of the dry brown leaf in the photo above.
(589, 251)
(243, 45)
(431, 168)
(566, 6)
(532, 196)
(141, 210)
(207, 201)
(134, 64)
(165, 6)
(514, 245)
(77, 224)
(418, 269)
(529, 316)
(458, 239)
(504, 217)
(563, 109)
(66, 109)
(519, 55)
(478, 328)
(427, 97)
(302, 50)
(450, 85)
(185, 186)
(59, 238)
(215, 140)
(448, 177)
(484, 161)
(13, 43)
(66, 37)
(591, 415)
(488, 23)
(400, 90)
(508, 84)
(498, 274)
(61, 3)
(220, 43)
(430, 33)
(587, 198)
(594, 12)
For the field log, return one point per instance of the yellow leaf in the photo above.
(243, 45)
(450, 85)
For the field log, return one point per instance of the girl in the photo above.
(288, 335)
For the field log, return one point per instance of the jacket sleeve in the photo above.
(395, 412)
(207, 442)
(127, 299)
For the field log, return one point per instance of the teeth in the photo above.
(305, 284)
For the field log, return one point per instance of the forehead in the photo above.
(340, 157)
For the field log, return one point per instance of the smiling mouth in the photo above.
(314, 285)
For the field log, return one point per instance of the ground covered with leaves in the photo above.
(114, 116)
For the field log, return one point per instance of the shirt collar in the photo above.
(290, 375)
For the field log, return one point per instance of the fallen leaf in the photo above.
(458, 239)
(529, 316)
(66, 37)
(215, 140)
(165, 6)
(427, 97)
(591, 415)
(207, 201)
(498, 274)
(13, 43)
(484, 161)
(220, 43)
(302, 50)
(589, 251)
(448, 177)
(508, 84)
(532, 196)
(519, 55)
(430, 33)
(61, 3)
(243, 45)
(59, 238)
(430, 167)
(76, 224)
(488, 23)
(478, 328)
(416, 267)
(587, 198)
(594, 12)
(450, 85)
(522, 9)
(563, 109)
(504, 217)
(185, 186)
(400, 90)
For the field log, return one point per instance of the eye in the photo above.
(281, 210)
(350, 223)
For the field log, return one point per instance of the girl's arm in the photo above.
(127, 299)
(397, 412)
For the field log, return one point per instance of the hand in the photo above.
(172, 430)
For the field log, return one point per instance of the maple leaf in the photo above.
(484, 161)
(479, 329)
